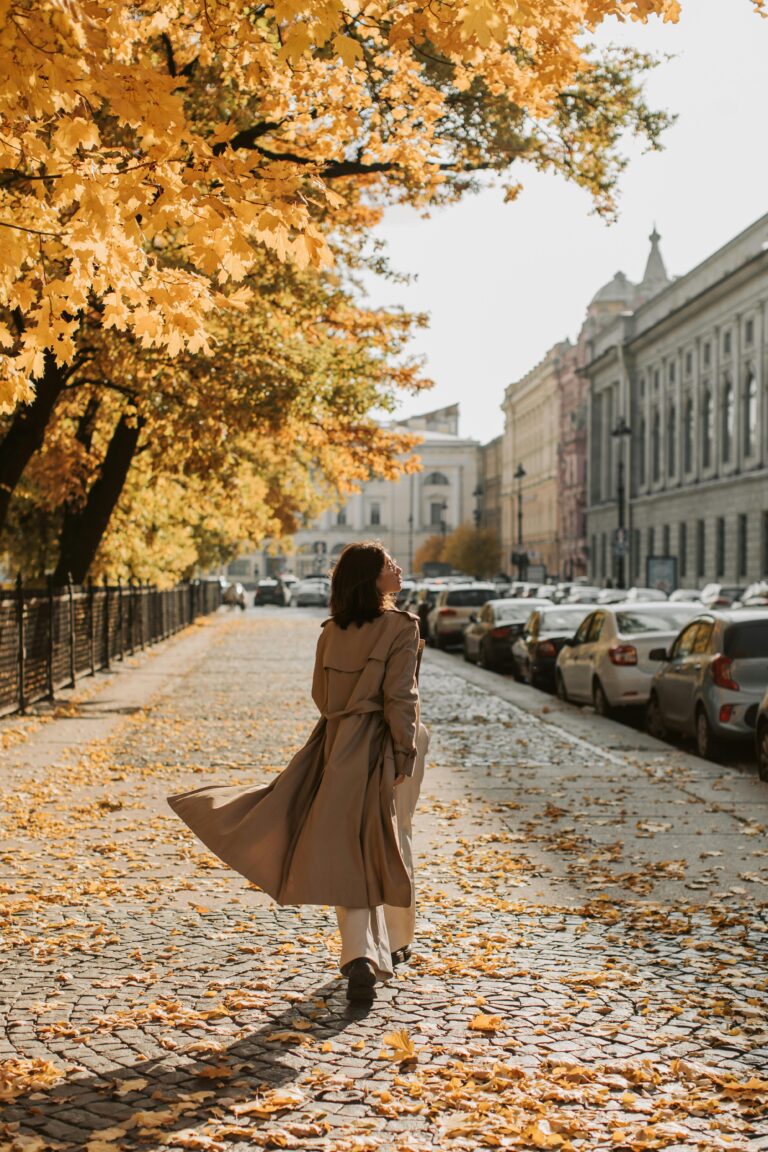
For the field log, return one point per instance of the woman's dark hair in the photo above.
(354, 595)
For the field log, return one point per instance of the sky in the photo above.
(503, 282)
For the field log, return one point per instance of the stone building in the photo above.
(488, 491)
(400, 513)
(686, 373)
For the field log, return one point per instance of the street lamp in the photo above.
(522, 559)
(620, 432)
(443, 510)
(477, 515)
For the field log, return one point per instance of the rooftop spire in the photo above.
(655, 276)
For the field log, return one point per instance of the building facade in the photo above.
(685, 372)
(401, 513)
(489, 487)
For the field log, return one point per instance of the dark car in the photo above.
(534, 653)
(269, 591)
(489, 636)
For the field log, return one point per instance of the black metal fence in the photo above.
(51, 636)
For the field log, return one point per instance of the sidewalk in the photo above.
(590, 969)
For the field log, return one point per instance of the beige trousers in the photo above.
(378, 932)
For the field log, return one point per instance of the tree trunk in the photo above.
(83, 529)
(27, 431)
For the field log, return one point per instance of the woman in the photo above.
(335, 826)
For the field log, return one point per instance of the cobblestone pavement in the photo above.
(589, 972)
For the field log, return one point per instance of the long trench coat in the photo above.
(324, 831)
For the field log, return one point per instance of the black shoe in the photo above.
(402, 956)
(361, 980)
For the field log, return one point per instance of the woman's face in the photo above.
(389, 579)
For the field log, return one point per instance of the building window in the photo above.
(656, 379)
(374, 515)
(665, 542)
(701, 547)
(726, 344)
(741, 545)
(671, 372)
(707, 428)
(593, 557)
(707, 354)
(656, 444)
(720, 546)
(636, 549)
(341, 517)
(640, 450)
(649, 551)
(765, 541)
(688, 435)
(436, 478)
(688, 363)
(603, 555)
(436, 510)
(749, 332)
(750, 413)
(682, 548)
(726, 429)
(671, 438)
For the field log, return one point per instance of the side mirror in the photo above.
(658, 654)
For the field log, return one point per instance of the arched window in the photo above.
(688, 435)
(436, 478)
(707, 428)
(671, 438)
(750, 412)
(726, 428)
(656, 444)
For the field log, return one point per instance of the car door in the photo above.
(676, 681)
(528, 641)
(587, 654)
(477, 630)
(575, 669)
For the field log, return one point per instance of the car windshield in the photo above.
(747, 641)
(562, 620)
(519, 612)
(469, 597)
(661, 619)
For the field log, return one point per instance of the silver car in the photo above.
(712, 679)
(311, 593)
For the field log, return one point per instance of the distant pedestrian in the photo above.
(335, 826)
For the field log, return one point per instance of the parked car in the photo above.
(535, 650)
(608, 661)
(756, 596)
(546, 592)
(687, 594)
(633, 594)
(313, 592)
(721, 595)
(489, 636)
(711, 680)
(583, 594)
(269, 591)
(421, 602)
(452, 610)
(234, 596)
(611, 595)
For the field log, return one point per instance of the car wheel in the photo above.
(762, 751)
(560, 689)
(467, 656)
(706, 741)
(600, 700)
(654, 721)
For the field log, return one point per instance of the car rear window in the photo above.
(568, 621)
(468, 597)
(519, 612)
(747, 641)
(653, 620)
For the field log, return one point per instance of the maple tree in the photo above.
(467, 549)
(222, 128)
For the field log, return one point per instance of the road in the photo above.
(590, 965)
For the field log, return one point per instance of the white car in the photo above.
(607, 662)
(313, 592)
(453, 608)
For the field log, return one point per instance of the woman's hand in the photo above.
(399, 779)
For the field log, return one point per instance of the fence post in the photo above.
(71, 599)
(120, 622)
(51, 622)
(142, 605)
(22, 643)
(92, 625)
(106, 623)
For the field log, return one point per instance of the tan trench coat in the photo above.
(323, 832)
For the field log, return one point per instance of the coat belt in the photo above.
(356, 710)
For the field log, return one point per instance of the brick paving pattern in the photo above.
(589, 972)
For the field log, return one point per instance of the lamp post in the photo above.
(620, 432)
(443, 510)
(522, 564)
(477, 515)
